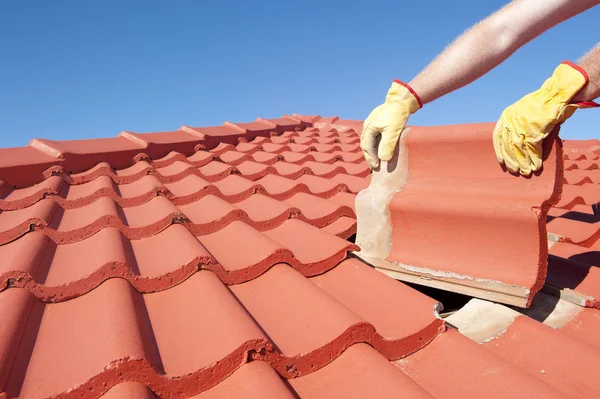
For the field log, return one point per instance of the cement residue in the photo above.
(374, 224)
(482, 321)
(451, 275)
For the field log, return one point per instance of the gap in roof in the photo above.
(451, 301)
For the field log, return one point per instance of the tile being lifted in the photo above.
(444, 213)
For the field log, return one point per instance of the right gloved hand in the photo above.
(388, 120)
(521, 129)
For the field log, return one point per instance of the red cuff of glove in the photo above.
(414, 93)
(582, 104)
(578, 69)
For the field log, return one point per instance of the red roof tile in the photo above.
(585, 194)
(533, 346)
(579, 177)
(585, 327)
(23, 167)
(214, 262)
(453, 366)
(526, 344)
(149, 338)
(454, 219)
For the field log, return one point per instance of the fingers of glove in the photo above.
(508, 150)
(535, 152)
(535, 148)
(368, 139)
(522, 154)
(497, 140)
(368, 144)
(533, 145)
(371, 159)
(389, 140)
(519, 143)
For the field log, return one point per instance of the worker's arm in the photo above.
(591, 65)
(492, 41)
(473, 54)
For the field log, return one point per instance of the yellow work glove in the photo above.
(522, 127)
(388, 120)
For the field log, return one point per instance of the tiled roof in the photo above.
(574, 227)
(217, 262)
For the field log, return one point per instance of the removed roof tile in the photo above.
(455, 219)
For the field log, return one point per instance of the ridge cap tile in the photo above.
(453, 223)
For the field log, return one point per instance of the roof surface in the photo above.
(232, 251)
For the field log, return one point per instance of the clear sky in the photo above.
(81, 69)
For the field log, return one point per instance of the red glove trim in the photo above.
(587, 104)
(411, 91)
(577, 68)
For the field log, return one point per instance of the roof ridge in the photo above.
(24, 166)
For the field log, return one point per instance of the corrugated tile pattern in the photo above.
(574, 227)
(252, 193)
(187, 339)
(213, 253)
(213, 262)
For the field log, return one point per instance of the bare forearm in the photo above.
(490, 42)
(591, 65)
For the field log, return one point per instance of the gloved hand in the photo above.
(389, 120)
(522, 127)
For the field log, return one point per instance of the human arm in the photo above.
(490, 42)
(591, 65)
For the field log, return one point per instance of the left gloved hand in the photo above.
(388, 120)
(522, 127)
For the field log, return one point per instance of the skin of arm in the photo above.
(491, 41)
(591, 65)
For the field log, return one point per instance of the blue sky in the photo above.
(83, 69)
